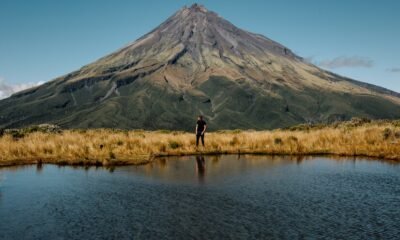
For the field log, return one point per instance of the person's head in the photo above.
(200, 117)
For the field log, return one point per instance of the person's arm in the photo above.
(205, 127)
(196, 127)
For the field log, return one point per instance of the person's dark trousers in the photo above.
(199, 135)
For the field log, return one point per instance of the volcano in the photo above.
(198, 63)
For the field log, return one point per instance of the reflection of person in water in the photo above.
(201, 167)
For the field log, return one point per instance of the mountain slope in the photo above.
(198, 63)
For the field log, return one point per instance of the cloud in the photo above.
(7, 89)
(394, 70)
(349, 62)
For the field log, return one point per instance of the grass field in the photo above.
(377, 139)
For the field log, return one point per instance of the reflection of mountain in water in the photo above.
(203, 168)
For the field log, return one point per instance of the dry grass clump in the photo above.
(379, 139)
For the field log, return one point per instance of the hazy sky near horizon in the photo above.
(44, 39)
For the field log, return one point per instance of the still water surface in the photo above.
(215, 197)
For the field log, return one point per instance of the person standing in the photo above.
(201, 127)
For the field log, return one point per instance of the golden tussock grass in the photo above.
(116, 147)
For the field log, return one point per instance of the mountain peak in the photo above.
(194, 11)
(198, 8)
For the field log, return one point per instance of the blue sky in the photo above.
(43, 39)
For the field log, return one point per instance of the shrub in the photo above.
(31, 129)
(293, 138)
(164, 131)
(86, 148)
(117, 130)
(45, 128)
(237, 131)
(278, 141)
(48, 151)
(82, 131)
(174, 144)
(234, 141)
(356, 121)
(162, 148)
(112, 155)
(300, 127)
(17, 135)
(120, 143)
(387, 133)
(371, 141)
(397, 134)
